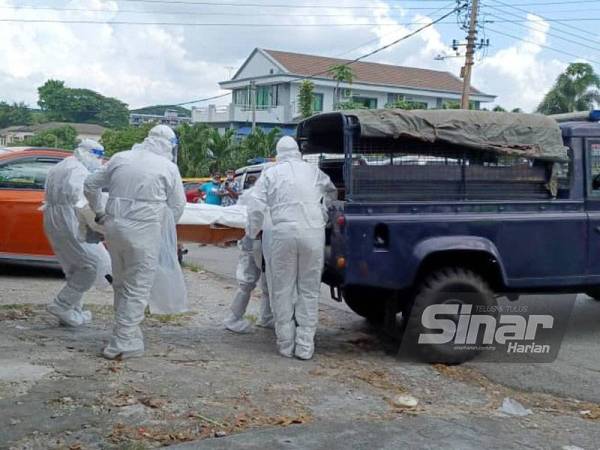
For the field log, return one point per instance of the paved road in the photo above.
(197, 381)
(575, 373)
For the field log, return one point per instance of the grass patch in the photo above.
(16, 311)
(170, 319)
(100, 311)
(17, 306)
(192, 267)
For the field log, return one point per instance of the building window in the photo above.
(317, 104)
(240, 97)
(263, 96)
(367, 102)
(393, 98)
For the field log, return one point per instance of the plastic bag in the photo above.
(169, 294)
(513, 408)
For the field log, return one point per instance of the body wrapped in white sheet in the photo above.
(203, 214)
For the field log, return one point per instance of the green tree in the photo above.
(261, 144)
(455, 104)
(66, 104)
(574, 90)
(61, 137)
(516, 110)
(306, 98)
(15, 114)
(195, 158)
(341, 73)
(123, 139)
(498, 108)
(225, 150)
(406, 104)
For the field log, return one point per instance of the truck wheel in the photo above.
(366, 302)
(449, 286)
(594, 293)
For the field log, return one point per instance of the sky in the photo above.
(168, 64)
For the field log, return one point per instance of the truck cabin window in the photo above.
(594, 153)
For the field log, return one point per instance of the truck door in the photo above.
(592, 172)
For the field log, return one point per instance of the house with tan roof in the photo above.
(273, 78)
(16, 134)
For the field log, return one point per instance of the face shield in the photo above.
(98, 152)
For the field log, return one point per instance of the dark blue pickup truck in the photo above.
(440, 205)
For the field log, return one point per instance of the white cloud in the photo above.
(152, 64)
(520, 74)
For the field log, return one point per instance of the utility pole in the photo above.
(466, 69)
(253, 103)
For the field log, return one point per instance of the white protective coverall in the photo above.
(145, 201)
(296, 194)
(83, 263)
(248, 273)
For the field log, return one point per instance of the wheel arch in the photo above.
(474, 253)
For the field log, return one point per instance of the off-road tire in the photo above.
(445, 286)
(594, 293)
(366, 302)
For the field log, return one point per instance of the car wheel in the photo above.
(448, 286)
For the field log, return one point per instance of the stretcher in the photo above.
(212, 234)
(211, 225)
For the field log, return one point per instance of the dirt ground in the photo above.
(199, 386)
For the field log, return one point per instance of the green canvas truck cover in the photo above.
(532, 136)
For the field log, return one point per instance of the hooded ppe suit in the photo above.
(83, 263)
(296, 194)
(146, 199)
(249, 271)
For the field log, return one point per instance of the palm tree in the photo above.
(194, 154)
(224, 148)
(341, 73)
(258, 143)
(574, 90)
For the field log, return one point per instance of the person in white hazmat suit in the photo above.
(296, 195)
(83, 263)
(145, 201)
(248, 273)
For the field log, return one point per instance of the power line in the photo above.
(571, 34)
(211, 24)
(549, 33)
(202, 100)
(264, 5)
(384, 47)
(547, 47)
(506, 5)
(372, 41)
(555, 3)
(188, 13)
(353, 61)
(545, 19)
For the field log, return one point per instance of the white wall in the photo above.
(257, 66)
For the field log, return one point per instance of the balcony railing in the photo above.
(241, 113)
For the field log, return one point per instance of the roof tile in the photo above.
(368, 72)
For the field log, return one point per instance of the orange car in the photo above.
(22, 178)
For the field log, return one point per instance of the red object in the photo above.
(192, 192)
(341, 221)
(22, 179)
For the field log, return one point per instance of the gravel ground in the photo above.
(199, 386)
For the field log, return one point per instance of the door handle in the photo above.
(597, 229)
